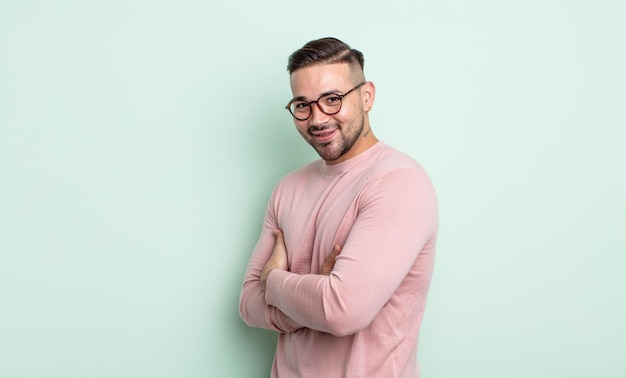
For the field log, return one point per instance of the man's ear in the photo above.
(368, 92)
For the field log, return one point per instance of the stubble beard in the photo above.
(335, 149)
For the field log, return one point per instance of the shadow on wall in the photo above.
(272, 148)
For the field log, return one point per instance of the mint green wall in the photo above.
(140, 140)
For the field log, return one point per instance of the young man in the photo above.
(344, 261)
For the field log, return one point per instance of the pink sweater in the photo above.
(363, 320)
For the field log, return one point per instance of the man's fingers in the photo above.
(329, 264)
(333, 255)
(278, 234)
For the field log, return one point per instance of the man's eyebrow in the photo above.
(299, 98)
(334, 91)
(302, 98)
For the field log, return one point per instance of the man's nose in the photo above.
(317, 114)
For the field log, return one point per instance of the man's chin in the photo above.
(328, 154)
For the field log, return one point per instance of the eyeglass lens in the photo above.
(329, 104)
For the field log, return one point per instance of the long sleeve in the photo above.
(396, 220)
(253, 309)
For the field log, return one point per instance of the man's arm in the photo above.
(253, 309)
(252, 306)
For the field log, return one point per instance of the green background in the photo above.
(140, 140)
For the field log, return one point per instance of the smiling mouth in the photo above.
(324, 136)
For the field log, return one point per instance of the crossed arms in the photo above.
(394, 224)
(278, 260)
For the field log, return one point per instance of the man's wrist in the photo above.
(264, 274)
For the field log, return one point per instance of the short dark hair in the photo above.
(325, 51)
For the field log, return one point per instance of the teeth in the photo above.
(324, 133)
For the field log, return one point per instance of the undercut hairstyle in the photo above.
(325, 51)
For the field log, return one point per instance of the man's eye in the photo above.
(300, 105)
(332, 99)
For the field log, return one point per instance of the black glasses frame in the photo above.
(310, 103)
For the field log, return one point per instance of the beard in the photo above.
(341, 143)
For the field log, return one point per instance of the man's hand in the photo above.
(329, 264)
(278, 260)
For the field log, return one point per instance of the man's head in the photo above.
(331, 99)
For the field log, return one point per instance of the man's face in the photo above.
(335, 137)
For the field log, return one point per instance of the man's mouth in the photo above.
(324, 136)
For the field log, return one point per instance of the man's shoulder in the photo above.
(390, 159)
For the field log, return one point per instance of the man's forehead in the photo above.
(319, 79)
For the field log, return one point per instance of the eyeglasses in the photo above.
(329, 103)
